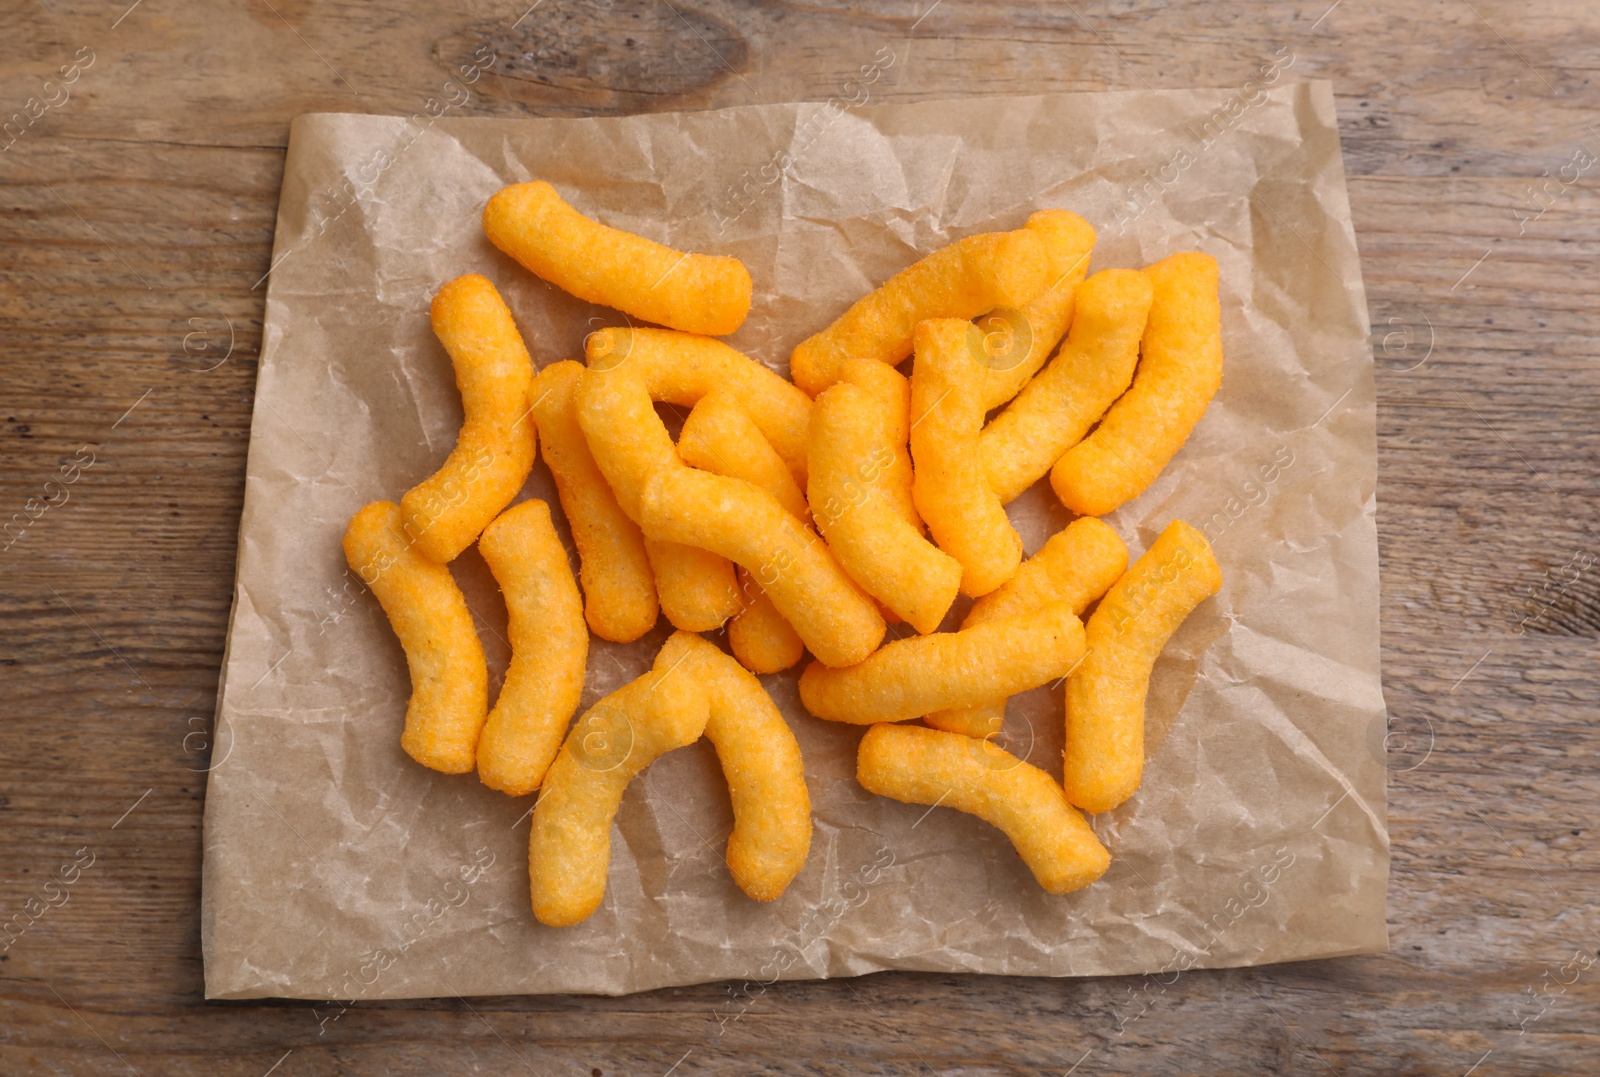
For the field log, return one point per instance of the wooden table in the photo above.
(137, 222)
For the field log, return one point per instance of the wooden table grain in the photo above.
(139, 177)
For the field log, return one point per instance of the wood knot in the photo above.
(600, 57)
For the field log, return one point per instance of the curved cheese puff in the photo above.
(697, 293)
(634, 367)
(951, 486)
(1024, 343)
(963, 280)
(618, 587)
(746, 524)
(569, 849)
(720, 438)
(1104, 756)
(761, 760)
(494, 453)
(883, 553)
(1087, 375)
(549, 645)
(891, 390)
(1180, 368)
(1075, 566)
(924, 766)
(449, 679)
(759, 636)
(911, 677)
(631, 368)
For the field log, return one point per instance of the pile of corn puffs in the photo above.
(803, 516)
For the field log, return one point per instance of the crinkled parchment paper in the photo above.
(336, 868)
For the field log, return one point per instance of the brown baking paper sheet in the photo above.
(337, 868)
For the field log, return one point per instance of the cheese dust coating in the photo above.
(963, 280)
(746, 524)
(761, 760)
(1092, 369)
(910, 677)
(1104, 755)
(1075, 566)
(892, 392)
(697, 293)
(696, 588)
(449, 679)
(1018, 341)
(951, 485)
(619, 590)
(924, 766)
(852, 462)
(1180, 369)
(549, 646)
(629, 370)
(720, 438)
(761, 638)
(569, 848)
(494, 452)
